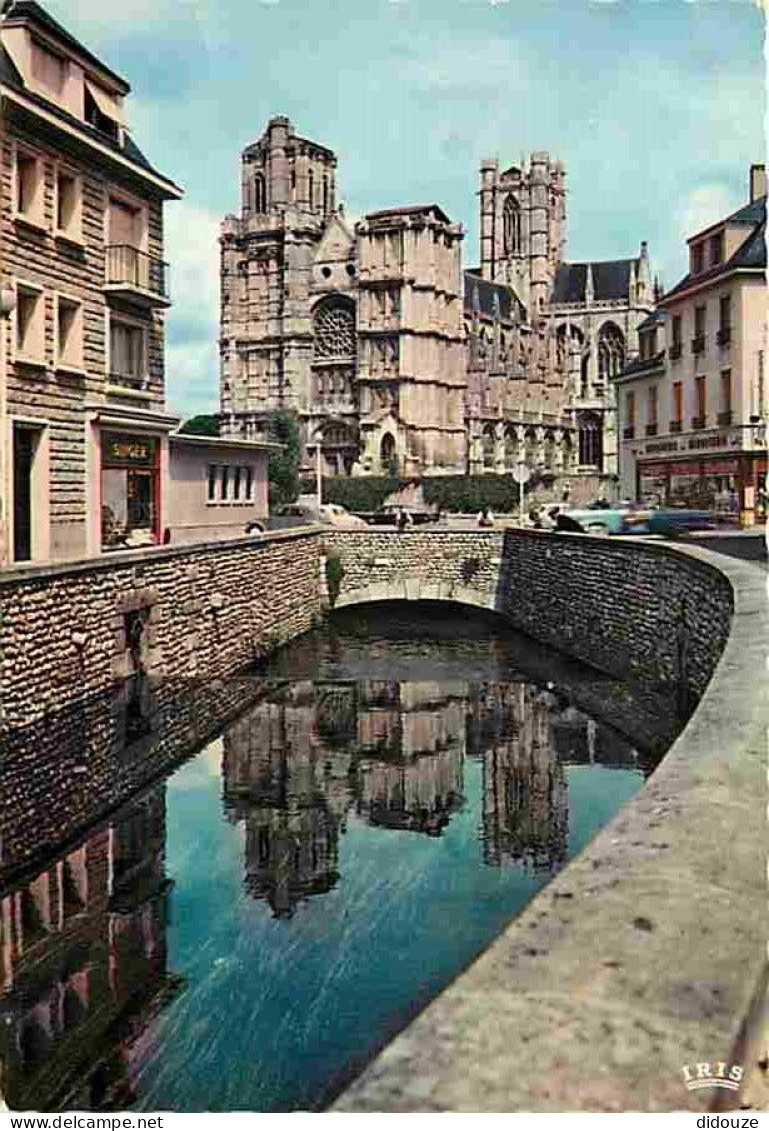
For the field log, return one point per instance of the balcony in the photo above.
(725, 418)
(675, 425)
(133, 274)
(698, 344)
(698, 423)
(651, 429)
(724, 336)
(675, 351)
(628, 433)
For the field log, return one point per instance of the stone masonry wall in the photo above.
(635, 610)
(197, 612)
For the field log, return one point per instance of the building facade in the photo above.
(693, 405)
(84, 426)
(392, 356)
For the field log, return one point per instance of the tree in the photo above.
(204, 425)
(283, 465)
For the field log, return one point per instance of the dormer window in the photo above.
(697, 258)
(716, 249)
(101, 111)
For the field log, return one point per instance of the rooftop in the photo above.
(18, 10)
(611, 281)
(749, 256)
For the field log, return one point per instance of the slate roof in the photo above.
(611, 281)
(749, 256)
(506, 296)
(641, 366)
(29, 9)
(409, 210)
(656, 318)
(9, 76)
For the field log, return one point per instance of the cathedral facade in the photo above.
(394, 358)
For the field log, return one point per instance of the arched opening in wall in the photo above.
(591, 440)
(388, 458)
(260, 194)
(611, 351)
(325, 196)
(511, 227)
(340, 446)
(584, 372)
(311, 190)
(530, 447)
(293, 183)
(487, 448)
(333, 330)
(511, 449)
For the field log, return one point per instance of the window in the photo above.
(716, 249)
(29, 188)
(311, 189)
(236, 480)
(725, 312)
(511, 227)
(101, 111)
(651, 406)
(701, 397)
(334, 331)
(696, 258)
(68, 205)
(248, 489)
(69, 333)
(699, 321)
(325, 196)
(611, 351)
(259, 194)
(30, 323)
(677, 330)
(678, 401)
(212, 477)
(127, 352)
(126, 224)
(629, 415)
(726, 393)
(225, 484)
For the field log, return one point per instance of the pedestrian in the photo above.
(485, 517)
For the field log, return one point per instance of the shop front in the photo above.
(732, 486)
(130, 490)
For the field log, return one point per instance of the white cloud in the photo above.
(98, 16)
(192, 353)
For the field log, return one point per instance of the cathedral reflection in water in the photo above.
(83, 948)
(299, 762)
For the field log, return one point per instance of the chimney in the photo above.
(757, 182)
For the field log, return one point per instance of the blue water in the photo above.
(342, 851)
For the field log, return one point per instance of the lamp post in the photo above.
(7, 306)
(318, 471)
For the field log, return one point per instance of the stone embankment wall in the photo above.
(193, 612)
(635, 610)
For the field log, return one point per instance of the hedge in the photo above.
(451, 493)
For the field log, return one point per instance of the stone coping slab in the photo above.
(645, 954)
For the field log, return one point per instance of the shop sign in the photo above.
(698, 442)
(134, 450)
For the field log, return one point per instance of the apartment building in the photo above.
(693, 404)
(83, 423)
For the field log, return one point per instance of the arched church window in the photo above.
(590, 441)
(293, 182)
(260, 195)
(334, 331)
(511, 227)
(311, 190)
(325, 196)
(488, 446)
(611, 351)
(387, 456)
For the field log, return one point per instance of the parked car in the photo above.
(388, 515)
(629, 519)
(305, 512)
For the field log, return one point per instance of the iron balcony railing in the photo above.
(725, 417)
(698, 423)
(651, 429)
(628, 432)
(698, 344)
(129, 267)
(676, 425)
(724, 336)
(674, 351)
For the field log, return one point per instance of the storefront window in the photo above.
(129, 491)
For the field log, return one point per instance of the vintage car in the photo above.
(388, 515)
(629, 519)
(305, 512)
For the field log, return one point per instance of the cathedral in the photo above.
(395, 359)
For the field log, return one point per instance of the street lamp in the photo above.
(318, 438)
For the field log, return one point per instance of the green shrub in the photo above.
(454, 494)
(283, 465)
(356, 493)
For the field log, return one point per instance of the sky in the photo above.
(656, 108)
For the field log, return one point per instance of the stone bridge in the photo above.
(646, 953)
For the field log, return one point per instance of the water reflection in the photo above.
(379, 780)
(393, 753)
(84, 968)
